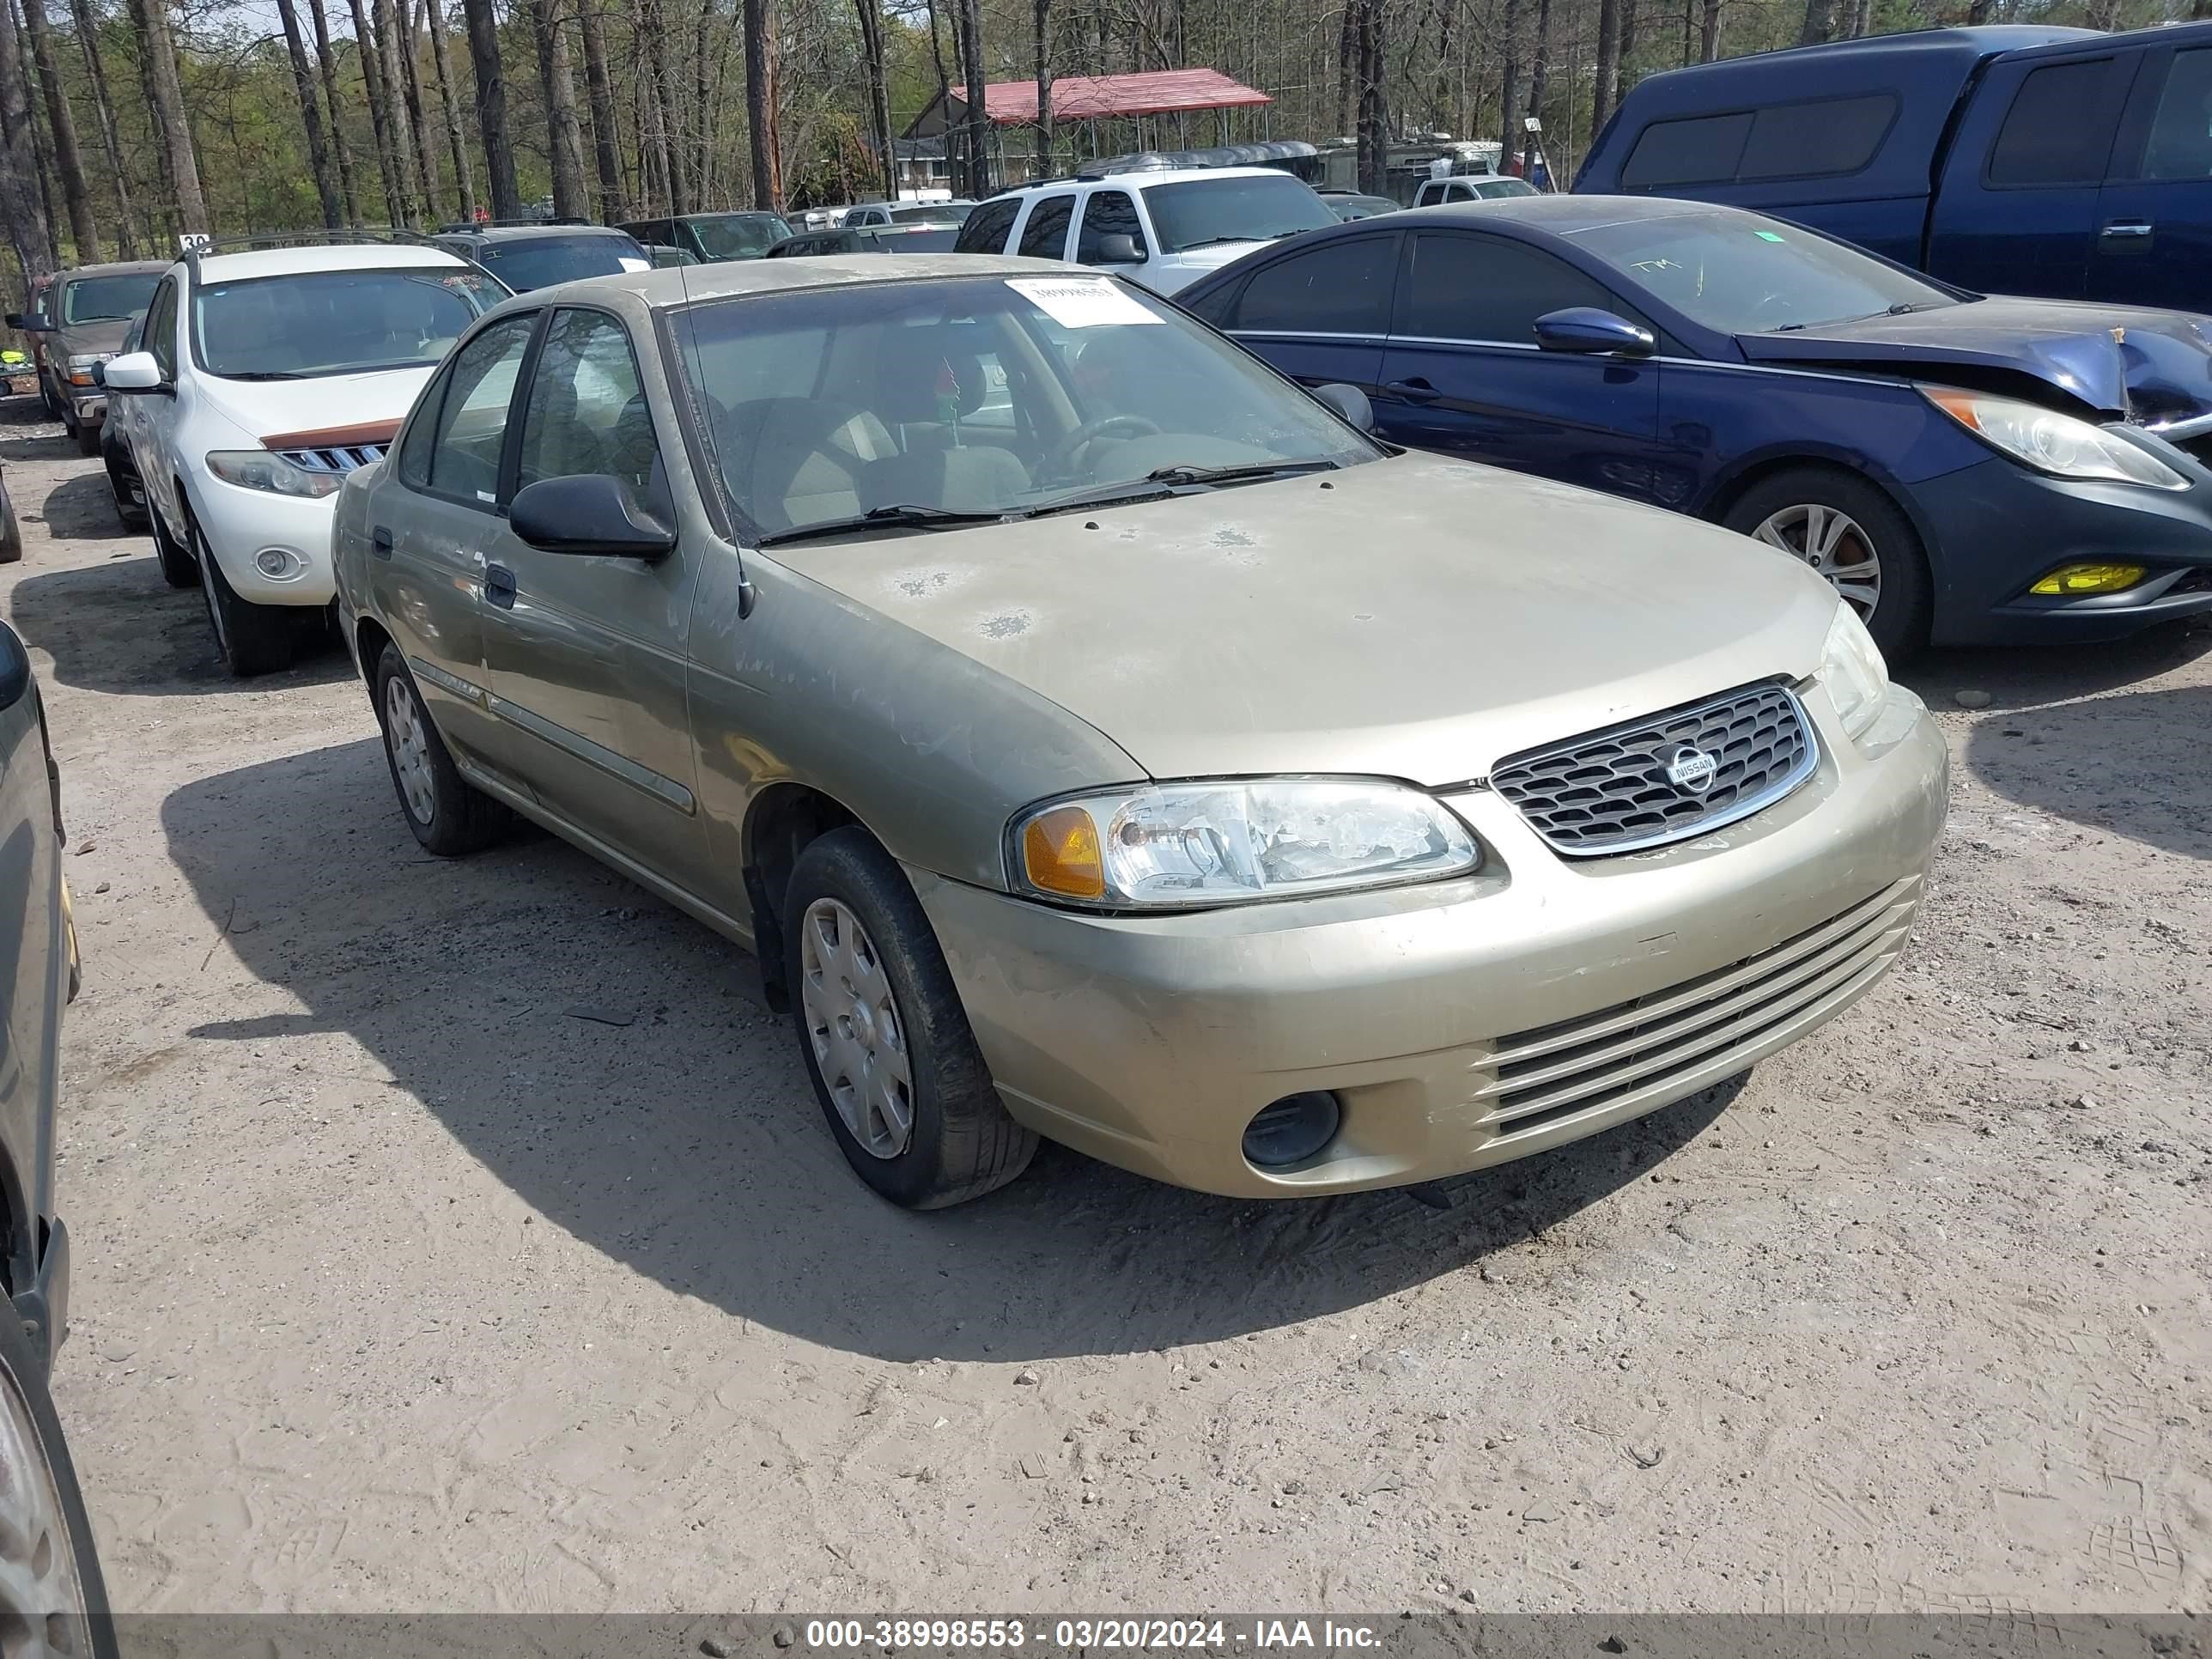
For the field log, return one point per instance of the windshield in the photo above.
(930, 238)
(929, 214)
(1490, 189)
(739, 235)
(994, 395)
(107, 299)
(1741, 273)
(1247, 210)
(541, 261)
(336, 322)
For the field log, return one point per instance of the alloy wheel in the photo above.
(41, 1597)
(411, 749)
(854, 1028)
(1833, 545)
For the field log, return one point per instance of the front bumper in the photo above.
(91, 410)
(1996, 527)
(1460, 1024)
(240, 523)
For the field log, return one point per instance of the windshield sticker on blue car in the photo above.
(1767, 235)
(1081, 301)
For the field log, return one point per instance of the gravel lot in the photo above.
(396, 1287)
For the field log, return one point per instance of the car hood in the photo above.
(368, 407)
(2153, 367)
(100, 336)
(1416, 619)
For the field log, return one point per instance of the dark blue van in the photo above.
(2058, 162)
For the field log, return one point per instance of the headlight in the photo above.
(261, 469)
(1224, 843)
(81, 367)
(1852, 669)
(2051, 442)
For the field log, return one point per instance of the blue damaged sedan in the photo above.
(1965, 469)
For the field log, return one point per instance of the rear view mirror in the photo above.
(1588, 329)
(589, 513)
(1118, 248)
(1350, 402)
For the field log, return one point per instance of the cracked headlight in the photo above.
(1228, 842)
(2051, 442)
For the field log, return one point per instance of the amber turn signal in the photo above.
(1059, 854)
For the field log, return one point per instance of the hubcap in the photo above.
(403, 734)
(853, 1024)
(41, 1597)
(1833, 544)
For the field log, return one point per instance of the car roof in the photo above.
(679, 285)
(342, 256)
(115, 267)
(1562, 215)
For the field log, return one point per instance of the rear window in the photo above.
(1821, 139)
(528, 261)
(2059, 129)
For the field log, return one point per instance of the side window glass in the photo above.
(162, 327)
(2059, 129)
(415, 443)
(985, 231)
(1823, 139)
(1698, 151)
(1341, 288)
(1107, 213)
(471, 426)
(586, 410)
(2181, 132)
(1473, 287)
(1045, 236)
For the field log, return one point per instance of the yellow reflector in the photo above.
(1059, 851)
(2077, 579)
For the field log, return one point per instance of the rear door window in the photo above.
(1045, 236)
(2059, 128)
(1340, 287)
(985, 231)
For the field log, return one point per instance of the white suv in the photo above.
(1165, 228)
(265, 376)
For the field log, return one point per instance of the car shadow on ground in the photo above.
(116, 626)
(83, 509)
(688, 1144)
(2023, 676)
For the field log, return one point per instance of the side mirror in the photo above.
(590, 512)
(1118, 248)
(1588, 330)
(138, 371)
(1350, 402)
(29, 322)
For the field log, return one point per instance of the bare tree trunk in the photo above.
(1374, 107)
(426, 142)
(343, 150)
(1538, 73)
(126, 217)
(406, 152)
(1708, 37)
(703, 104)
(659, 104)
(491, 108)
(1041, 22)
(441, 61)
(1608, 81)
(1816, 28)
(172, 125)
(979, 114)
(1348, 59)
(879, 90)
(42, 159)
(1509, 100)
(84, 228)
(564, 134)
(761, 124)
(311, 115)
(19, 207)
(605, 134)
(379, 113)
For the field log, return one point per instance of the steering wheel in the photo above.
(1062, 458)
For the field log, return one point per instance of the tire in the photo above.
(449, 816)
(88, 438)
(1781, 510)
(178, 567)
(120, 480)
(11, 533)
(253, 639)
(957, 1141)
(42, 1517)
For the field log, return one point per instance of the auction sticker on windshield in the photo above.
(1082, 303)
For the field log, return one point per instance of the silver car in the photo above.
(1098, 736)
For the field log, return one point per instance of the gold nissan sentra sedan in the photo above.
(1097, 736)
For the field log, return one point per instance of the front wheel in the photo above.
(253, 639)
(50, 1589)
(892, 1057)
(178, 567)
(449, 816)
(88, 438)
(1849, 531)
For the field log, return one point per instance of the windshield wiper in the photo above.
(1216, 241)
(261, 374)
(885, 518)
(1248, 472)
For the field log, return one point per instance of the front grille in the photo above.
(345, 459)
(1611, 791)
(1580, 1064)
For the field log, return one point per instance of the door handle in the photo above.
(2127, 230)
(379, 542)
(1415, 391)
(499, 585)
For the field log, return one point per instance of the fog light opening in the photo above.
(1291, 1130)
(278, 563)
(2079, 581)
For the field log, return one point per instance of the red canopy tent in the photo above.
(1112, 97)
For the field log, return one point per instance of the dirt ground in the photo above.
(399, 1288)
